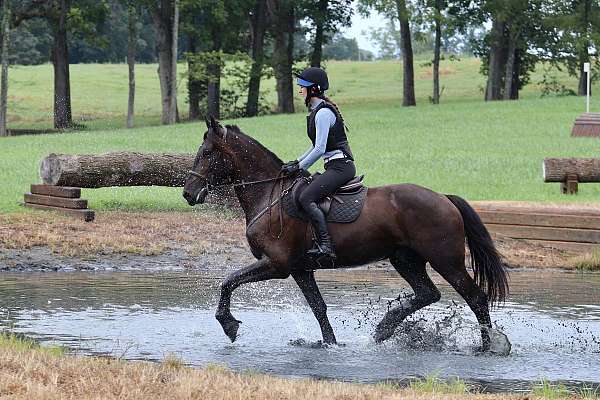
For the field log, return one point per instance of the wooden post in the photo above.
(569, 186)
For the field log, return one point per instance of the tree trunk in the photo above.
(407, 55)
(510, 66)
(583, 54)
(436, 52)
(60, 61)
(214, 77)
(317, 53)
(194, 84)
(162, 16)
(283, 24)
(116, 169)
(516, 84)
(494, 83)
(4, 75)
(258, 24)
(173, 115)
(557, 169)
(214, 90)
(131, 47)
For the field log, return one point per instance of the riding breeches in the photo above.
(337, 172)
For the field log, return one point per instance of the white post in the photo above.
(586, 69)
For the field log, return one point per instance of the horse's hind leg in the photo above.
(411, 267)
(457, 276)
(308, 285)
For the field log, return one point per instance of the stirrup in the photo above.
(318, 253)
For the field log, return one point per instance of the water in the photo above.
(552, 319)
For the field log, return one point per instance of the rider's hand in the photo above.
(290, 167)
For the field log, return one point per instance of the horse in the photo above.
(408, 224)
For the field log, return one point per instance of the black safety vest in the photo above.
(336, 140)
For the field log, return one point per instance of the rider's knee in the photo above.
(305, 200)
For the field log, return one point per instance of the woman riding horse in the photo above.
(327, 132)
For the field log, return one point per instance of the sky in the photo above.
(360, 24)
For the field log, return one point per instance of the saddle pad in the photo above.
(345, 212)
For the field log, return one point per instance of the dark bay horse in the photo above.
(407, 224)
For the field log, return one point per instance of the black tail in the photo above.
(488, 269)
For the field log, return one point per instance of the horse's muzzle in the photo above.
(198, 198)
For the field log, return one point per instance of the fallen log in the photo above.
(561, 169)
(116, 169)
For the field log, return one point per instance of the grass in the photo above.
(548, 390)
(588, 262)
(482, 151)
(433, 384)
(20, 343)
(29, 371)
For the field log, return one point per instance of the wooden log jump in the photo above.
(116, 169)
(62, 199)
(64, 174)
(587, 125)
(570, 171)
(572, 230)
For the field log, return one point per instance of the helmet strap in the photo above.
(313, 91)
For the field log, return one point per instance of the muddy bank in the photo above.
(169, 240)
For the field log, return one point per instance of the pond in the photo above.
(552, 319)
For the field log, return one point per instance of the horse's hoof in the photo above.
(230, 326)
(382, 333)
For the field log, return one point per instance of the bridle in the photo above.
(230, 183)
(283, 192)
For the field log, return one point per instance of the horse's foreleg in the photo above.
(261, 270)
(308, 285)
(412, 268)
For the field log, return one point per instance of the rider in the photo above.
(327, 132)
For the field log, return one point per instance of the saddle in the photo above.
(344, 206)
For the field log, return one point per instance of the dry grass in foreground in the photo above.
(120, 232)
(36, 374)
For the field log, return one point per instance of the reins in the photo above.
(210, 185)
(268, 208)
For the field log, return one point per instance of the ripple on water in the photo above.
(551, 318)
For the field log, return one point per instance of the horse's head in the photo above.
(213, 165)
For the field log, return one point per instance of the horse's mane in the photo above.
(251, 141)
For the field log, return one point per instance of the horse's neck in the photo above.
(254, 197)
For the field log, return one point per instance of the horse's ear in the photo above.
(215, 127)
(207, 122)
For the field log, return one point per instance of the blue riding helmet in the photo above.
(313, 76)
(302, 82)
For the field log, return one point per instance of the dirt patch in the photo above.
(123, 240)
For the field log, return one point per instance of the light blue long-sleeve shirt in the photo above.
(324, 120)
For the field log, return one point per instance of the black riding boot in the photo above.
(324, 245)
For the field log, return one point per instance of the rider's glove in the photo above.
(290, 167)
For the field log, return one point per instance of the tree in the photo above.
(327, 16)
(282, 20)
(4, 75)
(258, 24)
(132, 36)
(399, 10)
(579, 25)
(214, 28)
(520, 36)
(341, 48)
(407, 55)
(163, 16)
(80, 17)
(387, 40)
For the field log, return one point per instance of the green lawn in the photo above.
(482, 151)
